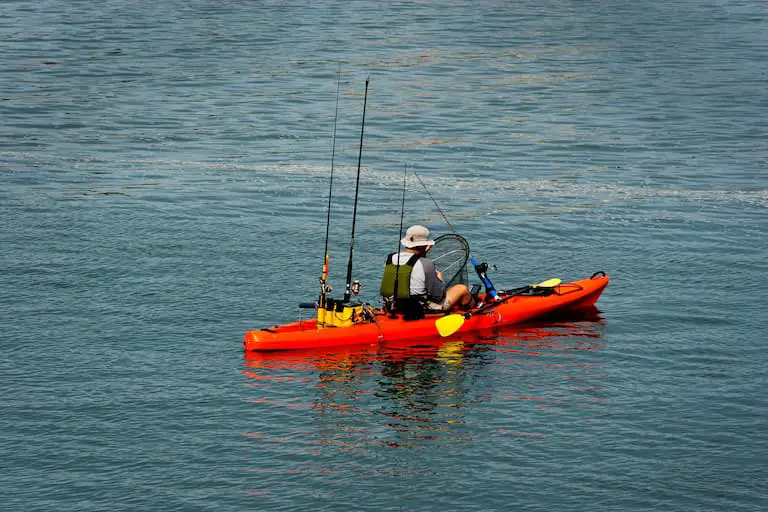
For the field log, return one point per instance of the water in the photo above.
(164, 170)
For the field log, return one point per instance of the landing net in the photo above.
(450, 254)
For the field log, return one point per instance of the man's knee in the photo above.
(459, 289)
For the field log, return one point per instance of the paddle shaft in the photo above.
(449, 324)
(510, 294)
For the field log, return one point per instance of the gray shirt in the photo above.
(424, 279)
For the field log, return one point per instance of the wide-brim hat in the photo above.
(417, 236)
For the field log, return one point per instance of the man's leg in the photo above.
(457, 295)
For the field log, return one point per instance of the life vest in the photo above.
(412, 307)
(400, 273)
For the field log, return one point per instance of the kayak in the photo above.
(506, 309)
(580, 330)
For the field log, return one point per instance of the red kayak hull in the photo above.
(305, 334)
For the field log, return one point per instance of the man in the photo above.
(420, 285)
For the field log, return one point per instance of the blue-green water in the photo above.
(163, 180)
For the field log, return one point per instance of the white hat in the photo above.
(417, 236)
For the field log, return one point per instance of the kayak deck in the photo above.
(510, 310)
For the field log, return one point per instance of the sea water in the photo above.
(164, 180)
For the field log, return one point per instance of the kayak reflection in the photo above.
(409, 393)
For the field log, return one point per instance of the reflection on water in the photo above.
(361, 400)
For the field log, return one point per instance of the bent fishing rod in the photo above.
(445, 218)
(480, 268)
(348, 288)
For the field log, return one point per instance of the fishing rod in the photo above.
(480, 268)
(324, 276)
(397, 248)
(436, 205)
(348, 289)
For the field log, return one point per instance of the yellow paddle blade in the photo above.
(549, 283)
(449, 324)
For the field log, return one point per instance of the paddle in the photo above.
(449, 324)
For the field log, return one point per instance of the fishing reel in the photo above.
(326, 288)
(355, 288)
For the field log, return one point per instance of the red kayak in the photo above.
(379, 326)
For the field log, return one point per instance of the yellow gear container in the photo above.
(346, 315)
(339, 314)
